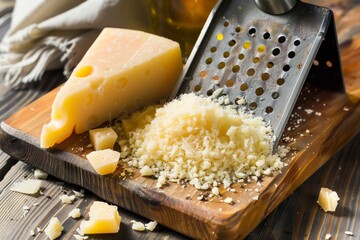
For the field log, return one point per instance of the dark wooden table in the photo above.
(298, 217)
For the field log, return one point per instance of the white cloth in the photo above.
(53, 34)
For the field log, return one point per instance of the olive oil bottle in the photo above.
(180, 20)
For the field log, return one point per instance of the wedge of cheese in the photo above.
(123, 70)
(103, 218)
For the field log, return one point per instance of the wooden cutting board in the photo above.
(314, 136)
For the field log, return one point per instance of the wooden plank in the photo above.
(17, 224)
(6, 162)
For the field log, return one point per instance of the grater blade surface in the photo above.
(260, 57)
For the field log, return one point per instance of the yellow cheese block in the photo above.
(104, 161)
(123, 70)
(102, 138)
(104, 218)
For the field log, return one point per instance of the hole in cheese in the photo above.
(88, 100)
(122, 82)
(95, 83)
(84, 71)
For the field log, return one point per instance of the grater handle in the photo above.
(276, 7)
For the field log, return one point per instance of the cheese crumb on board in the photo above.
(40, 174)
(75, 213)
(215, 190)
(104, 161)
(66, 199)
(328, 199)
(228, 200)
(103, 218)
(54, 228)
(122, 71)
(349, 233)
(29, 186)
(102, 138)
(137, 226)
(146, 171)
(195, 139)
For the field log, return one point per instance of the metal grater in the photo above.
(263, 51)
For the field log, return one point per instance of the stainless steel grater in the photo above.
(263, 51)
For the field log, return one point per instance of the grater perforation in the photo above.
(263, 58)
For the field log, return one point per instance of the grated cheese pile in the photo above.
(197, 140)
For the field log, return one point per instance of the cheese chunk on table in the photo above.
(54, 228)
(103, 218)
(123, 70)
(328, 199)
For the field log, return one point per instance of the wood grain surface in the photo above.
(299, 217)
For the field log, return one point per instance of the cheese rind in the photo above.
(103, 218)
(123, 70)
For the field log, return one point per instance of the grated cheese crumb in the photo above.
(67, 199)
(40, 174)
(349, 233)
(228, 200)
(79, 194)
(309, 111)
(327, 236)
(197, 140)
(80, 237)
(215, 190)
(146, 171)
(161, 181)
(75, 213)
